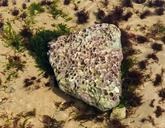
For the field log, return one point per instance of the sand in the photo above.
(16, 99)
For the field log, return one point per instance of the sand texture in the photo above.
(31, 98)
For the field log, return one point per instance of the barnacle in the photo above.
(87, 64)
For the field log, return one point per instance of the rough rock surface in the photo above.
(87, 65)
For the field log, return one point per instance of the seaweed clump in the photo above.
(158, 80)
(116, 123)
(23, 15)
(1, 23)
(15, 62)
(100, 14)
(14, 65)
(152, 103)
(162, 93)
(132, 99)
(26, 32)
(126, 44)
(66, 2)
(50, 122)
(139, 1)
(86, 117)
(148, 119)
(159, 11)
(35, 8)
(28, 82)
(142, 64)
(11, 38)
(4, 3)
(157, 29)
(82, 16)
(156, 47)
(20, 120)
(114, 17)
(105, 2)
(133, 78)
(127, 3)
(15, 11)
(46, 2)
(145, 14)
(153, 56)
(24, 6)
(159, 111)
(141, 39)
(156, 3)
(55, 11)
(38, 46)
(127, 16)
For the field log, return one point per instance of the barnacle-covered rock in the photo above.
(87, 65)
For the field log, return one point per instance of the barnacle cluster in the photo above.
(87, 64)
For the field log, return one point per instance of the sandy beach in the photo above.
(29, 97)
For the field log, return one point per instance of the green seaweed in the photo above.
(16, 63)
(38, 45)
(11, 38)
(129, 98)
(12, 74)
(12, 67)
(125, 66)
(158, 28)
(35, 8)
(53, 9)
(50, 122)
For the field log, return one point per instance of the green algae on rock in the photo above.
(87, 65)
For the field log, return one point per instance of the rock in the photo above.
(87, 65)
(118, 113)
